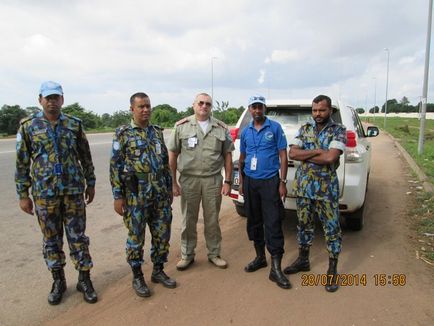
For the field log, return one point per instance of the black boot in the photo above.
(332, 279)
(259, 262)
(139, 284)
(276, 274)
(85, 286)
(301, 264)
(158, 276)
(58, 287)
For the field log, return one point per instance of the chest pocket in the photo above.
(215, 140)
(40, 140)
(188, 142)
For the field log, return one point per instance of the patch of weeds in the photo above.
(424, 210)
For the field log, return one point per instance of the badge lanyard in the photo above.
(254, 161)
(55, 136)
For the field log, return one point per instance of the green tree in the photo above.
(375, 109)
(405, 101)
(164, 115)
(90, 120)
(392, 105)
(360, 110)
(119, 118)
(10, 116)
(32, 109)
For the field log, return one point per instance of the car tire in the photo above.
(355, 221)
(240, 210)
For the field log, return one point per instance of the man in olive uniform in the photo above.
(142, 191)
(53, 157)
(198, 148)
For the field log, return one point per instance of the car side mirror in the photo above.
(373, 131)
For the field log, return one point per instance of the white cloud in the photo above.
(103, 51)
(283, 56)
(261, 78)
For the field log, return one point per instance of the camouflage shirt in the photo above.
(37, 157)
(315, 181)
(142, 152)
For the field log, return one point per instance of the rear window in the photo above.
(288, 116)
(296, 116)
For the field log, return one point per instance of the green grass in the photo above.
(423, 211)
(406, 131)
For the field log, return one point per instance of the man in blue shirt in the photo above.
(262, 154)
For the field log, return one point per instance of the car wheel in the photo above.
(355, 220)
(240, 210)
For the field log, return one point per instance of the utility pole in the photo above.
(387, 86)
(425, 84)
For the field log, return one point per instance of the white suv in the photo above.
(353, 172)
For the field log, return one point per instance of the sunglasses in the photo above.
(257, 98)
(207, 104)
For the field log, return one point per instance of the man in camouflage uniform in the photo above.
(142, 191)
(198, 148)
(53, 157)
(318, 146)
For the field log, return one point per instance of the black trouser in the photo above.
(264, 210)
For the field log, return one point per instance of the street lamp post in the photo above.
(425, 84)
(387, 86)
(212, 79)
(375, 95)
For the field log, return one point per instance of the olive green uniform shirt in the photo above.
(200, 154)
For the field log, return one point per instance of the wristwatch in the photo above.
(283, 181)
(228, 182)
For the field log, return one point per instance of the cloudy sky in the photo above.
(103, 51)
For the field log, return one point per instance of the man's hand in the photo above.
(176, 189)
(282, 191)
(226, 189)
(26, 204)
(89, 194)
(119, 206)
(240, 189)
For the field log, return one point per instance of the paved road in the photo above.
(25, 280)
(207, 295)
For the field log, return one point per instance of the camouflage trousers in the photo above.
(328, 214)
(156, 212)
(56, 215)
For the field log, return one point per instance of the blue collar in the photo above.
(266, 124)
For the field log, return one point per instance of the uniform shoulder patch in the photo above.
(158, 127)
(222, 124)
(72, 117)
(182, 121)
(120, 130)
(24, 120)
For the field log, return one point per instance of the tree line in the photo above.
(163, 115)
(403, 106)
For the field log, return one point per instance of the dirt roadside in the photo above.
(209, 296)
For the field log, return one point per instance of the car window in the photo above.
(295, 117)
(357, 124)
(287, 116)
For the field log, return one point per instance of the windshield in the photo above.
(295, 117)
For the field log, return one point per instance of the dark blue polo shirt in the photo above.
(265, 145)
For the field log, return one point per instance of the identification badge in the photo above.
(137, 152)
(58, 168)
(253, 163)
(158, 148)
(192, 141)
